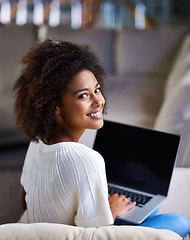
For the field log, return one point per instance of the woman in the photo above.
(59, 95)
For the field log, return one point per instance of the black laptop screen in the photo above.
(136, 157)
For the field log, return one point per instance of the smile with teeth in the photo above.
(95, 115)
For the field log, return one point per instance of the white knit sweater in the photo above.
(66, 183)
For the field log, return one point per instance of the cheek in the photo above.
(78, 109)
(103, 100)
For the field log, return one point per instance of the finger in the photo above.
(124, 198)
(130, 205)
(128, 200)
(115, 195)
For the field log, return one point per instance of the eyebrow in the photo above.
(84, 89)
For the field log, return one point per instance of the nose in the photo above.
(98, 100)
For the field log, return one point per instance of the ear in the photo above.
(57, 111)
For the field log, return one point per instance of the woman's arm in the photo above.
(22, 198)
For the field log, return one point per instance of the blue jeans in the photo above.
(170, 221)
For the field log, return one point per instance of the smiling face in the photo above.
(81, 106)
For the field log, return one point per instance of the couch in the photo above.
(148, 72)
(47, 231)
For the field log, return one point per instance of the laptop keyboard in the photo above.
(140, 199)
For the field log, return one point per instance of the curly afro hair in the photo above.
(48, 69)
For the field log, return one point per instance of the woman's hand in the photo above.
(119, 204)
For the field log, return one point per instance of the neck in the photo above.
(61, 135)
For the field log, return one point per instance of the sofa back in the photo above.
(101, 42)
(14, 43)
(147, 52)
(128, 50)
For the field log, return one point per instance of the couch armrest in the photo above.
(47, 231)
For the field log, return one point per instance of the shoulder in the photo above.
(71, 148)
(81, 160)
(80, 154)
(83, 150)
(65, 154)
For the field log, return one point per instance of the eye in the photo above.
(83, 96)
(98, 90)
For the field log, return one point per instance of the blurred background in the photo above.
(23, 22)
(135, 38)
(95, 13)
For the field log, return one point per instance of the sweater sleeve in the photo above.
(91, 188)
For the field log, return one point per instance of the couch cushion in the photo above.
(180, 66)
(134, 99)
(100, 40)
(15, 41)
(175, 110)
(180, 177)
(174, 115)
(147, 51)
(47, 231)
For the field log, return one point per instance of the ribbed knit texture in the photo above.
(66, 183)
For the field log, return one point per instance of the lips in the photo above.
(97, 114)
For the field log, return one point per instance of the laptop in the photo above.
(139, 164)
